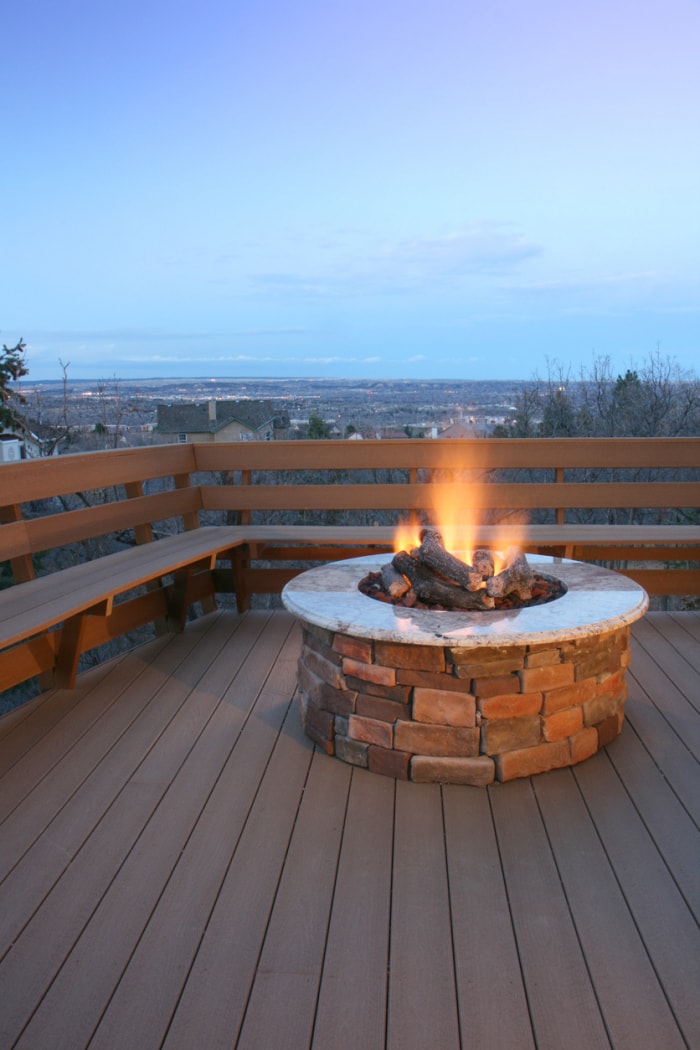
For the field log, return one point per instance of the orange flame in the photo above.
(406, 536)
(455, 519)
(457, 511)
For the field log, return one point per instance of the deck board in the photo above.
(668, 697)
(282, 1003)
(491, 997)
(190, 892)
(675, 654)
(614, 953)
(422, 1004)
(176, 779)
(667, 749)
(560, 993)
(214, 997)
(359, 930)
(180, 867)
(661, 915)
(663, 813)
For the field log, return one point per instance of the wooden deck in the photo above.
(181, 869)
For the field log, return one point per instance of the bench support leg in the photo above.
(69, 650)
(186, 588)
(240, 563)
(179, 600)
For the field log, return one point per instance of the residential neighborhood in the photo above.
(221, 421)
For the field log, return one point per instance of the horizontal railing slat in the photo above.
(38, 479)
(57, 530)
(660, 581)
(477, 453)
(467, 498)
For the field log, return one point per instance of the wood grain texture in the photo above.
(180, 868)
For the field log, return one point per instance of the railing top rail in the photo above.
(467, 497)
(43, 478)
(34, 479)
(480, 453)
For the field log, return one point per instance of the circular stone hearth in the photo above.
(463, 697)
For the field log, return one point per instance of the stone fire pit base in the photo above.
(463, 698)
(462, 716)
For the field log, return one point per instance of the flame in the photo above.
(510, 532)
(457, 510)
(406, 536)
(455, 519)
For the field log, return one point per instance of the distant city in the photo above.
(367, 408)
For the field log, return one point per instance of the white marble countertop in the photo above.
(597, 601)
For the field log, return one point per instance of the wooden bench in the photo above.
(229, 516)
(590, 499)
(109, 490)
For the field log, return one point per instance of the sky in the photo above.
(349, 188)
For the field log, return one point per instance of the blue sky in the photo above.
(367, 188)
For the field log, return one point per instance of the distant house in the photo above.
(33, 442)
(10, 446)
(221, 421)
(392, 433)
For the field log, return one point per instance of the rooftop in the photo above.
(181, 868)
(212, 416)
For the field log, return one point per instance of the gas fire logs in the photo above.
(431, 576)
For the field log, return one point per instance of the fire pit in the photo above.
(465, 697)
(431, 577)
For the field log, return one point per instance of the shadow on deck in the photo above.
(181, 869)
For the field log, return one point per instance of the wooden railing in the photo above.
(632, 502)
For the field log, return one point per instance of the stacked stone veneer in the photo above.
(462, 715)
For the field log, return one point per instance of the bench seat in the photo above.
(91, 587)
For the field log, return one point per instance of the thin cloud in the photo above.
(122, 334)
(181, 359)
(151, 335)
(392, 266)
(483, 248)
(588, 282)
(298, 284)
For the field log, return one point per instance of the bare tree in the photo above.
(654, 399)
